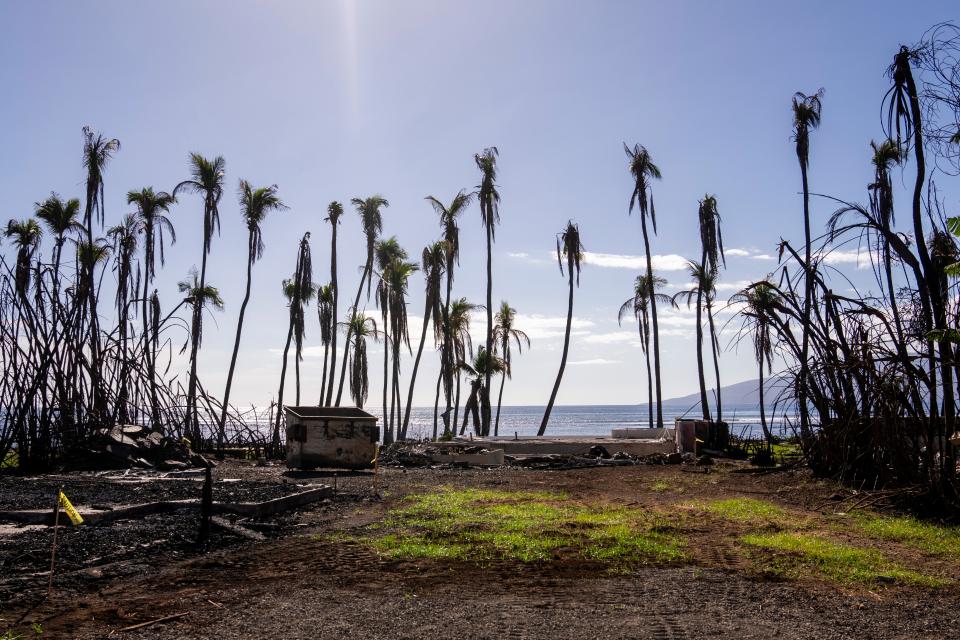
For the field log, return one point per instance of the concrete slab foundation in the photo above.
(566, 445)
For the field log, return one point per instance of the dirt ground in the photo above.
(301, 584)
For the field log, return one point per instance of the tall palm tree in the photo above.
(482, 365)
(26, 236)
(199, 295)
(327, 330)
(359, 328)
(398, 277)
(432, 263)
(644, 171)
(255, 204)
(334, 212)
(206, 178)
(704, 285)
(461, 344)
(639, 305)
(61, 219)
(125, 236)
(569, 248)
(760, 301)
(152, 208)
(371, 219)
(451, 237)
(806, 117)
(711, 243)
(298, 290)
(489, 198)
(97, 151)
(386, 254)
(505, 332)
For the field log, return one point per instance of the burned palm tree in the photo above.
(704, 280)
(298, 291)
(506, 333)
(97, 151)
(760, 301)
(360, 327)
(206, 179)
(325, 300)
(386, 253)
(255, 205)
(644, 171)
(712, 256)
(449, 215)
(432, 263)
(61, 219)
(152, 208)
(26, 235)
(489, 199)
(199, 295)
(125, 239)
(806, 117)
(477, 373)
(638, 305)
(371, 219)
(569, 249)
(398, 278)
(334, 213)
(462, 345)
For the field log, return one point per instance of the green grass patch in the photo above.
(748, 510)
(484, 525)
(932, 538)
(797, 553)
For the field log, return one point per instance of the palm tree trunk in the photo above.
(714, 348)
(485, 397)
(496, 424)
(436, 408)
(336, 298)
(323, 378)
(807, 295)
(283, 376)
(296, 374)
(447, 355)
(395, 406)
(763, 413)
(566, 350)
(653, 317)
(413, 374)
(704, 403)
(193, 415)
(387, 426)
(346, 342)
(221, 428)
(645, 337)
(456, 404)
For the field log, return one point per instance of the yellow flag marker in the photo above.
(68, 508)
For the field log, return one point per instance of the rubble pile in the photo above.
(133, 446)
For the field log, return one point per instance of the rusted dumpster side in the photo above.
(339, 437)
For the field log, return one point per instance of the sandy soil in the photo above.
(299, 584)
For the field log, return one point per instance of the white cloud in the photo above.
(763, 256)
(612, 337)
(733, 286)
(837, 256)
(540, 327)
(667, 262)
(592, 361)
(737, 252)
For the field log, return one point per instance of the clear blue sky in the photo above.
(337, 99)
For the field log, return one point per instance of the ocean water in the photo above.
(593, 420)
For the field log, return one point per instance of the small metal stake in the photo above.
(53, 549)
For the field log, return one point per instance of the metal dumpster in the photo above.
(339, 437)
